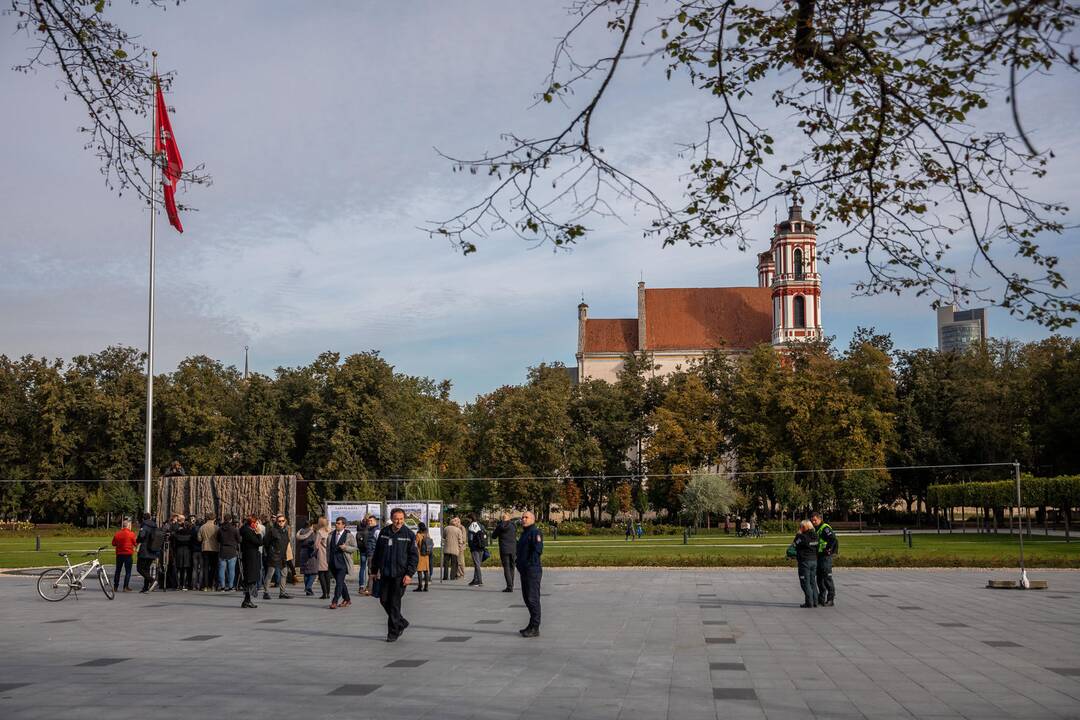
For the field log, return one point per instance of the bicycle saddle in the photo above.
(63, 554)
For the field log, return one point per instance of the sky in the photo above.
(319, 124)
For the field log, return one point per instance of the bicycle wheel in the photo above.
(54, 584)
(106, 586)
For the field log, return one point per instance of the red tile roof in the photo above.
(707, 318)
(611, 335)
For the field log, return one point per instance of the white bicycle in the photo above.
(55, 584)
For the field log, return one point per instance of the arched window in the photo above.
(797, 261)
(799, 310)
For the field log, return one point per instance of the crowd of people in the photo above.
(256, 554)
(814, 547)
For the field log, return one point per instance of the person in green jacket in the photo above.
(827, 547)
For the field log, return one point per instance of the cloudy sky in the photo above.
(318, 123)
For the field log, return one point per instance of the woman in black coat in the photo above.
(250, 557)
(182, 555)
(806, 545)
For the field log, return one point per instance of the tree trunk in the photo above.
(1068, 516)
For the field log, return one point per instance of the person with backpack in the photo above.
(828, 546)
(477, 540)
(151, 540)
(425, 546)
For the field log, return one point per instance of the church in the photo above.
(678, 325)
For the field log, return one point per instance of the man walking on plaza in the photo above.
(530, 546)
(507, 536)
(275, 548)
(828, 545)
(339, 552)
(124, 542)
(394, 564)
(209, 547)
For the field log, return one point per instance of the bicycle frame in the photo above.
(94, 564)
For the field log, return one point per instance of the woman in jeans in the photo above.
(806, 543)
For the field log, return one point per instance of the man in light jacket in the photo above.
(208, 545)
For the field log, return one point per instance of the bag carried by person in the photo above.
(426, 546)
(486, 556)
(792, 553)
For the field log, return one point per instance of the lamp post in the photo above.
(1024, 583)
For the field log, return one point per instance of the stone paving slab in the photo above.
(616, 645)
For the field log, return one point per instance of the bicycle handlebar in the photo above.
(100, 550)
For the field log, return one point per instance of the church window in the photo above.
(799, 310)
(797, 261)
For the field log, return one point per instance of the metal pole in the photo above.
(150, 323)
(1023, 571)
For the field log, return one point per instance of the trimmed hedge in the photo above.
(1059, 492)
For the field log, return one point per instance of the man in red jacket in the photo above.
(124, 542)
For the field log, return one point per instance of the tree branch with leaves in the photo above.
(885, 103)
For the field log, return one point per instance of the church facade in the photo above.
(678, 325)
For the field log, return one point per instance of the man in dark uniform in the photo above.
(394, 565)
(530, 546)
(827, 547)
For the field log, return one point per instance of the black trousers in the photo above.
(145, 567)
(324, 583)
(826, 588)
(210, 563)
(530, 593)
(508, 569)
(391, 590)
(341, 588)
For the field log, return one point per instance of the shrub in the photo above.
(574, 527)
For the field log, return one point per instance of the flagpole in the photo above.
(150, 328)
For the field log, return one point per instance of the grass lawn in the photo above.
(867, 550)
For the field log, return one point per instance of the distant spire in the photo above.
(245, 362)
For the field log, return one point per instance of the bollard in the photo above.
(903, 536)
(685, 536)
(37, 543)
(909, 539)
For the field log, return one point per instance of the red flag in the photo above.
(165, 146)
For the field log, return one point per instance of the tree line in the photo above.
(812, 427)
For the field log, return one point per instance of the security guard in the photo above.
(827, 547)
(530, 546)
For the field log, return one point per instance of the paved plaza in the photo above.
(633, 644)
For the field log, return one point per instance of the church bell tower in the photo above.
(796, 285)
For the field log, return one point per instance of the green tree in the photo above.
(707, 494)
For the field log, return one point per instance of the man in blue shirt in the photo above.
(530, 546)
